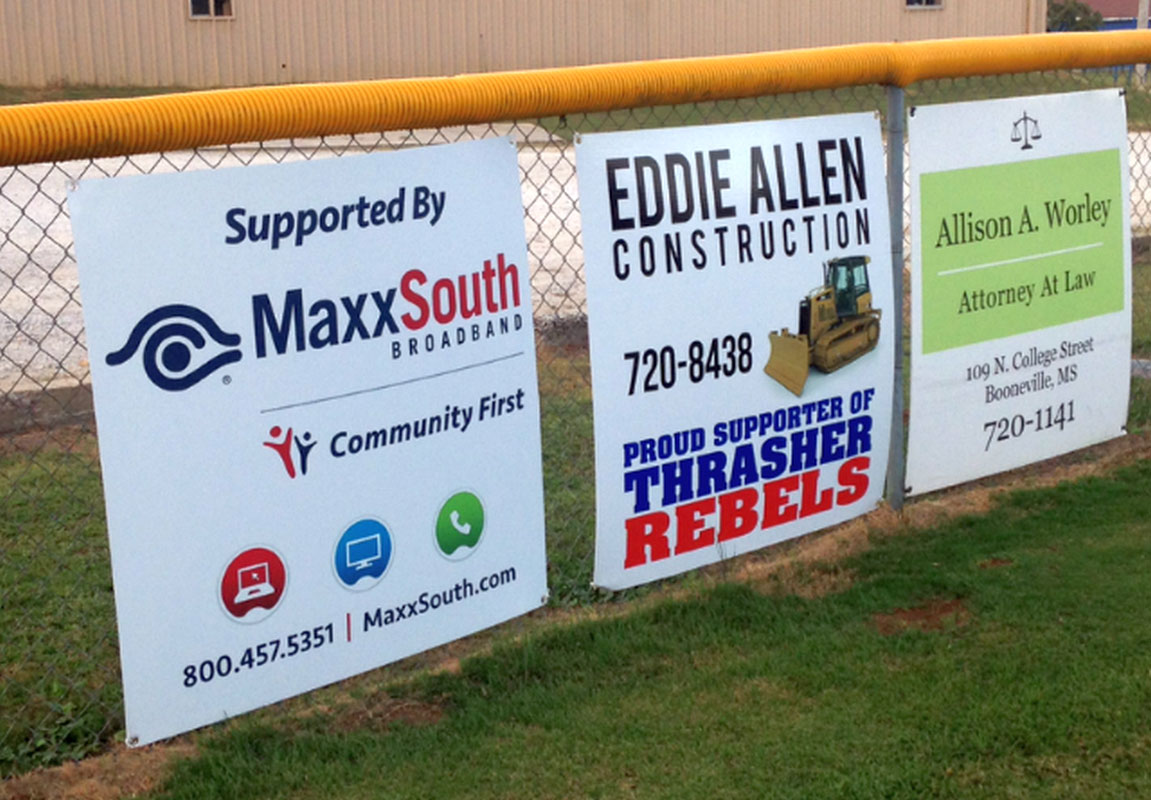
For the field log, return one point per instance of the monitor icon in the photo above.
(362, 553)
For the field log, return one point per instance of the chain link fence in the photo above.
(59, 668)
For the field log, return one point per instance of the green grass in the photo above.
(1139, 405)
(855, 98)
(1141, 305)
(569, 473)
(1139, 414)
(16, 95)
(1039, 687)
(60, 687)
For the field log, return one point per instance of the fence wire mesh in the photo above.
(59, 669)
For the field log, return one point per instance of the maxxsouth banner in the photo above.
(1021, 282)
(315, 386)
(735, 404)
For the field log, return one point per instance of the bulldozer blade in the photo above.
(789, 362)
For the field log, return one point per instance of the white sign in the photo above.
(315, 386)
(1021, 282)
(735, 406)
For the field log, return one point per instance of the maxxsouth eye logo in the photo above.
(170, 337)
(293, 464)
(181, 344)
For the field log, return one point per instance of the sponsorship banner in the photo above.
(735, 405)
(315, 385)
(1021, 282)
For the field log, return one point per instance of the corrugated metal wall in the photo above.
(155, 42)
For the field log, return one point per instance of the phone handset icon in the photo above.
(463, 527)
(460, 525)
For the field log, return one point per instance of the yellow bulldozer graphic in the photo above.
(836, 326)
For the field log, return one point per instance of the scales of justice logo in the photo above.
(1025, 130)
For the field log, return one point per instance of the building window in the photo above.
(211, 9)
(917, 4)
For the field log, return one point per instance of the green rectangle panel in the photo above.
(1012, 248)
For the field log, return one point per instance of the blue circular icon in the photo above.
(363, 554)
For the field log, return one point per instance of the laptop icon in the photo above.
(253, 582)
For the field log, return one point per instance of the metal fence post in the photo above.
(895, 129)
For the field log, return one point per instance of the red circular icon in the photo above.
(253, 584)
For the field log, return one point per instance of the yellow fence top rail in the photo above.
(60, 131)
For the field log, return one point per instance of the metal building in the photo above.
(206, 43)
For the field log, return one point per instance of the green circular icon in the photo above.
(459, 525)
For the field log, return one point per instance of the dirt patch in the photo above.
(451, 666)
(935, 615)
(380, 716)
(821, 581)
(120, 773)
(995, 563)
(78, 439)
(43, 407)
(379, 712)
(125, 773)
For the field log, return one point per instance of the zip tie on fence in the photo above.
(46, 132)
